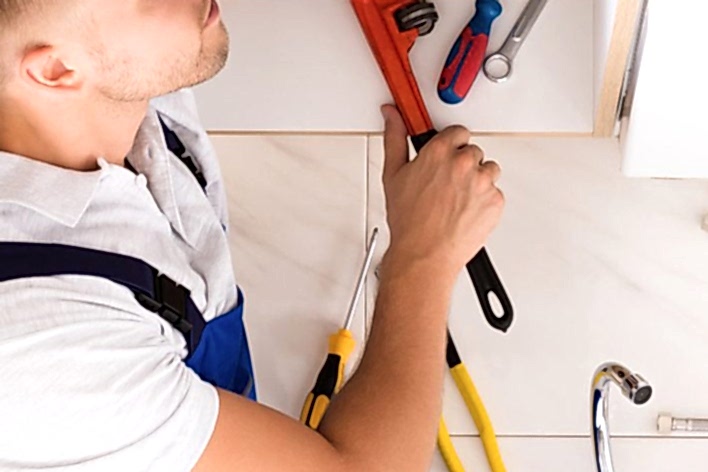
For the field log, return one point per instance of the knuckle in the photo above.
(464, 163)
(476, 152)
(487, 171)
(473, 153)
(437, 147)
(457, 129)
(454, 134)
(498, 199)
(492, 169)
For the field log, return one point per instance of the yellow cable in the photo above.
(480, 417)
(447, 449)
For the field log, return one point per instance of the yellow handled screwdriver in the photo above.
(341, 345)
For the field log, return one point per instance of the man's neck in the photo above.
(72, 137)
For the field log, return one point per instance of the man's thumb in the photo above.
(395, 141)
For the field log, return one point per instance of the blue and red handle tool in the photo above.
(468, 53)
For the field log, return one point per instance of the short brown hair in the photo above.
(10, 7)
(18, 33)
(12, 21)
(11, 12)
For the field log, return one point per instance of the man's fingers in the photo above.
(395, 141)
(457, 136)
(473, 152)
(493, 169)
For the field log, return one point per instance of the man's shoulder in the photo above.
(84, 361)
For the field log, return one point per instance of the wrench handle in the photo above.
(481, 270)
(486, 283)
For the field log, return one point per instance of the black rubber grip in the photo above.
(452, 357)
(327, 379)
(422, 139)
(325, 385)
(486, 282)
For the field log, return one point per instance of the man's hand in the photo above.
(443, 205)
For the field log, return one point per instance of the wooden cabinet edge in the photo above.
(624, 31)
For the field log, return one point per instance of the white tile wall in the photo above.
(599, 268)
(297, 209)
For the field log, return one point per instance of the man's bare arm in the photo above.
(441, 208)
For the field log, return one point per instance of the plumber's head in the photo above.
(116, 50)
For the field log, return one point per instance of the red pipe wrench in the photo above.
(391, 28)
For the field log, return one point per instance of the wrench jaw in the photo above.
(391, 47)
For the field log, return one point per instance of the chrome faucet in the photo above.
(633, 386)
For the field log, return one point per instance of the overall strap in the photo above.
(154, 291)
(175, 145)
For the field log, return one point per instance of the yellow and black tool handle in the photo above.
(474, 404)
(447, 449)
(330, 379)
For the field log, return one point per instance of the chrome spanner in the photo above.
(498, 66)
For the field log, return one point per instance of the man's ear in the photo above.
(47, 67)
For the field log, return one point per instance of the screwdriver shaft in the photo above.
(362, 277)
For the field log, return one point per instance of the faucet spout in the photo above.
(633, 386)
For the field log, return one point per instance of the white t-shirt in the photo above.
(89, 379)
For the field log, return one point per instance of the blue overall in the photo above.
(222, 356)
(218, 350)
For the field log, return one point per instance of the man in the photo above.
(91, 380)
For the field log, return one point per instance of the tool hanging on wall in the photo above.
(391, 28)
(467, 54)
